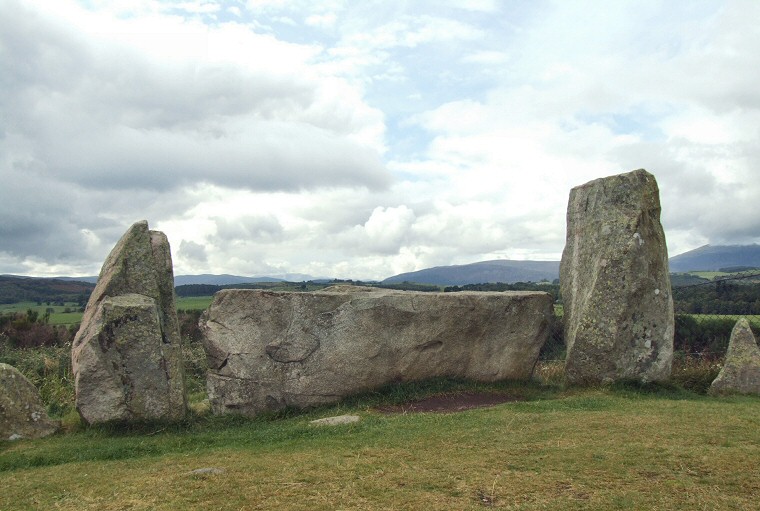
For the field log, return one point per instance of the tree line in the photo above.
(718, 297)
(50, 291)
(695, 331)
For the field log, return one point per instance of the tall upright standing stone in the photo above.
(615, 284)
(127, 355)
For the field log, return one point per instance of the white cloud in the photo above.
(322, 20)
(128, 117)
(255, 228)
(487, 6)
(263, 4)
(194, 253)
(585, 104)
(359, 140)
(385, 232)
(487, 57)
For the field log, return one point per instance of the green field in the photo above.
(193, 302)
(606, 449)
(753, 319)
(709, 275)
(58, 316)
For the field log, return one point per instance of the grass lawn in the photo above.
(615, 448)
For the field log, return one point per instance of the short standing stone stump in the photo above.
(22, 414)
(269, 350)
(741, 370)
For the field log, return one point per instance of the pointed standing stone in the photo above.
(127, 355)
(741, 370)
(615, 283)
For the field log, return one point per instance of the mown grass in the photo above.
(613, 448)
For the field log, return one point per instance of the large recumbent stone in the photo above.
(269, 350)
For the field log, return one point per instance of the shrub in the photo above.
(705, 336)
(49, 369)
(30, 331)
(695, 373)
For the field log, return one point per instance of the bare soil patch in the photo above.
(449, 403)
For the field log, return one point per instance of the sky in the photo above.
(362, 139)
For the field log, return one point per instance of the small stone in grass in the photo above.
(336, 421)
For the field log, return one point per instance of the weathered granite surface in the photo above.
(127, 355)
(741, 370)
(22, 414)
(615, 283)
(268, 350)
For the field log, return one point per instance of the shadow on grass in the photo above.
(670, 390)
(405, 392)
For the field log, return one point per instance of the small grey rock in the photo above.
(336, 421)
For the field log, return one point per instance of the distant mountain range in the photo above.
(215, 280)
(718, 257)
(502, 270)
(706, 258)
(220, 280)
